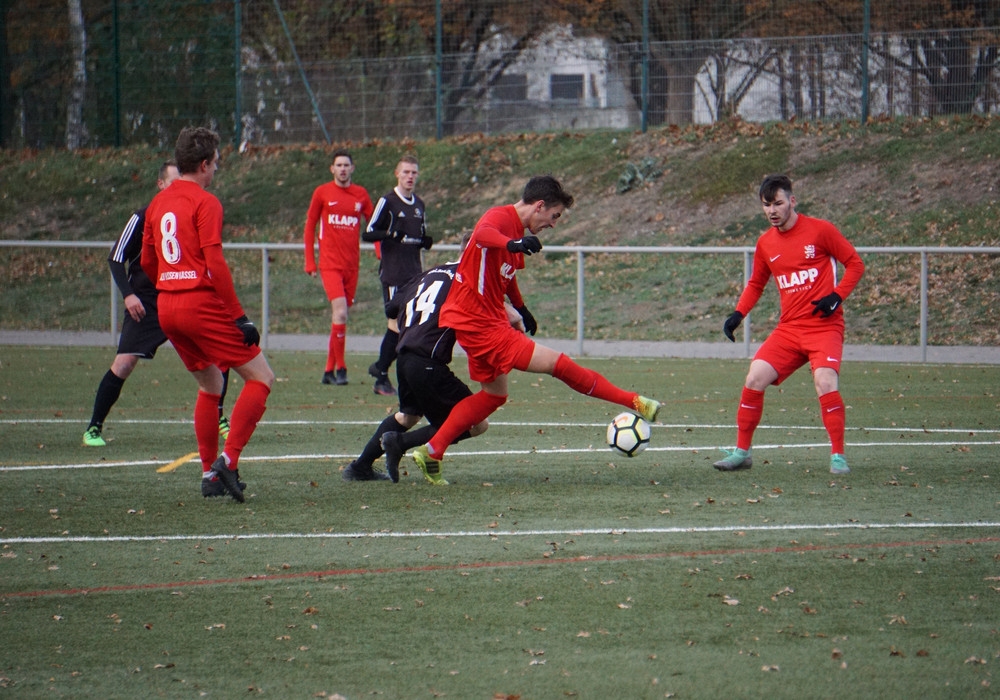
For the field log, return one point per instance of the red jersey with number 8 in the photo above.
(180, 221)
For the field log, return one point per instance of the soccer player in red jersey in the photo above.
(199, 310)
(475, 310)
(801, 253)
(337, 207)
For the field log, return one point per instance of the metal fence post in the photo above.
(923, 306)
(580, 290)
(265, 296)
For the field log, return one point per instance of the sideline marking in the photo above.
(693, 449)
(176, 463)
(467, 566)
(565, 532)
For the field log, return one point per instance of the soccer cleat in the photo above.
(647, 408)
(228, 478)
(735, 461)
(393, 454)
(838, 464)
(340, 376)
(429, 466)
(356, 472)
(92, 438)
(223, 427)
(212, 487)
(383, 386)
(328, 378)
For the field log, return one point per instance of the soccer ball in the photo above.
(628, 434)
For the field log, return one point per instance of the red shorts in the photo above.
(199, 328)
(340, 283)
(494, 351)
(787, 349)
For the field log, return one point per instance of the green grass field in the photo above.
(549, 568)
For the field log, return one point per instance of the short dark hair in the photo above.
(194, 145)
(341, 152)
(547, 189)
(165, 166)
(771, 184)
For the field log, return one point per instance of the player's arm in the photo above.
(751, 293)
(380, 227)
(147, 258)
(222, 280)
(530, 325)
(309, 234)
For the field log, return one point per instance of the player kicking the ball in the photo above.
(801, 253)
(475, 310)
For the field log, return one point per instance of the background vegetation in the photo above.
(921, 182)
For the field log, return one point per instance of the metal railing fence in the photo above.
(580, 253)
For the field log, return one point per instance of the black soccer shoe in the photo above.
(356, 472)
(383, 386)
(210, 488)
(393, 454)
(228, 479)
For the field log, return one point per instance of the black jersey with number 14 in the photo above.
(417, 308)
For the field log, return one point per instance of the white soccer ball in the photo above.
(628, 434)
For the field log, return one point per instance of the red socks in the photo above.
(335, 353)
(247, 411)
(590, 383)
(748, 416)
(206, 428)
(831, 408)
(466, 413)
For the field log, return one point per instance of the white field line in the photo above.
(565, 532)
(485, 453)
(524, 424)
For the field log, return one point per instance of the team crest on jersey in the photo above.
(810, 251)
(419, 214)
(357, 206)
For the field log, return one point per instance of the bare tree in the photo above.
(78, 82)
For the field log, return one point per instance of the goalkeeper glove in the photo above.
(527, 245)
(251, 336)
(731, 324)
(827, 305)
(530, 324)
(426, 242)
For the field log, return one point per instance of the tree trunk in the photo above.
(78, 84)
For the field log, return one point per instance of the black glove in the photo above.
(731, 324)
(426, 242)
(827, 305)
(530, 324)
(527, 245)
(251, 336)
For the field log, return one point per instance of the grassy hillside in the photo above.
(926, 182)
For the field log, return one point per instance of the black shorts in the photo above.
(427, 387)
(143, 337)
(388, 292)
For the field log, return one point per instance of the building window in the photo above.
(566, 88)
(511, 87)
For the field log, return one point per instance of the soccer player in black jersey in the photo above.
(399, 232)
(141, 334)
(427, 386)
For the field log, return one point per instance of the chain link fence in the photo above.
(92, 73)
